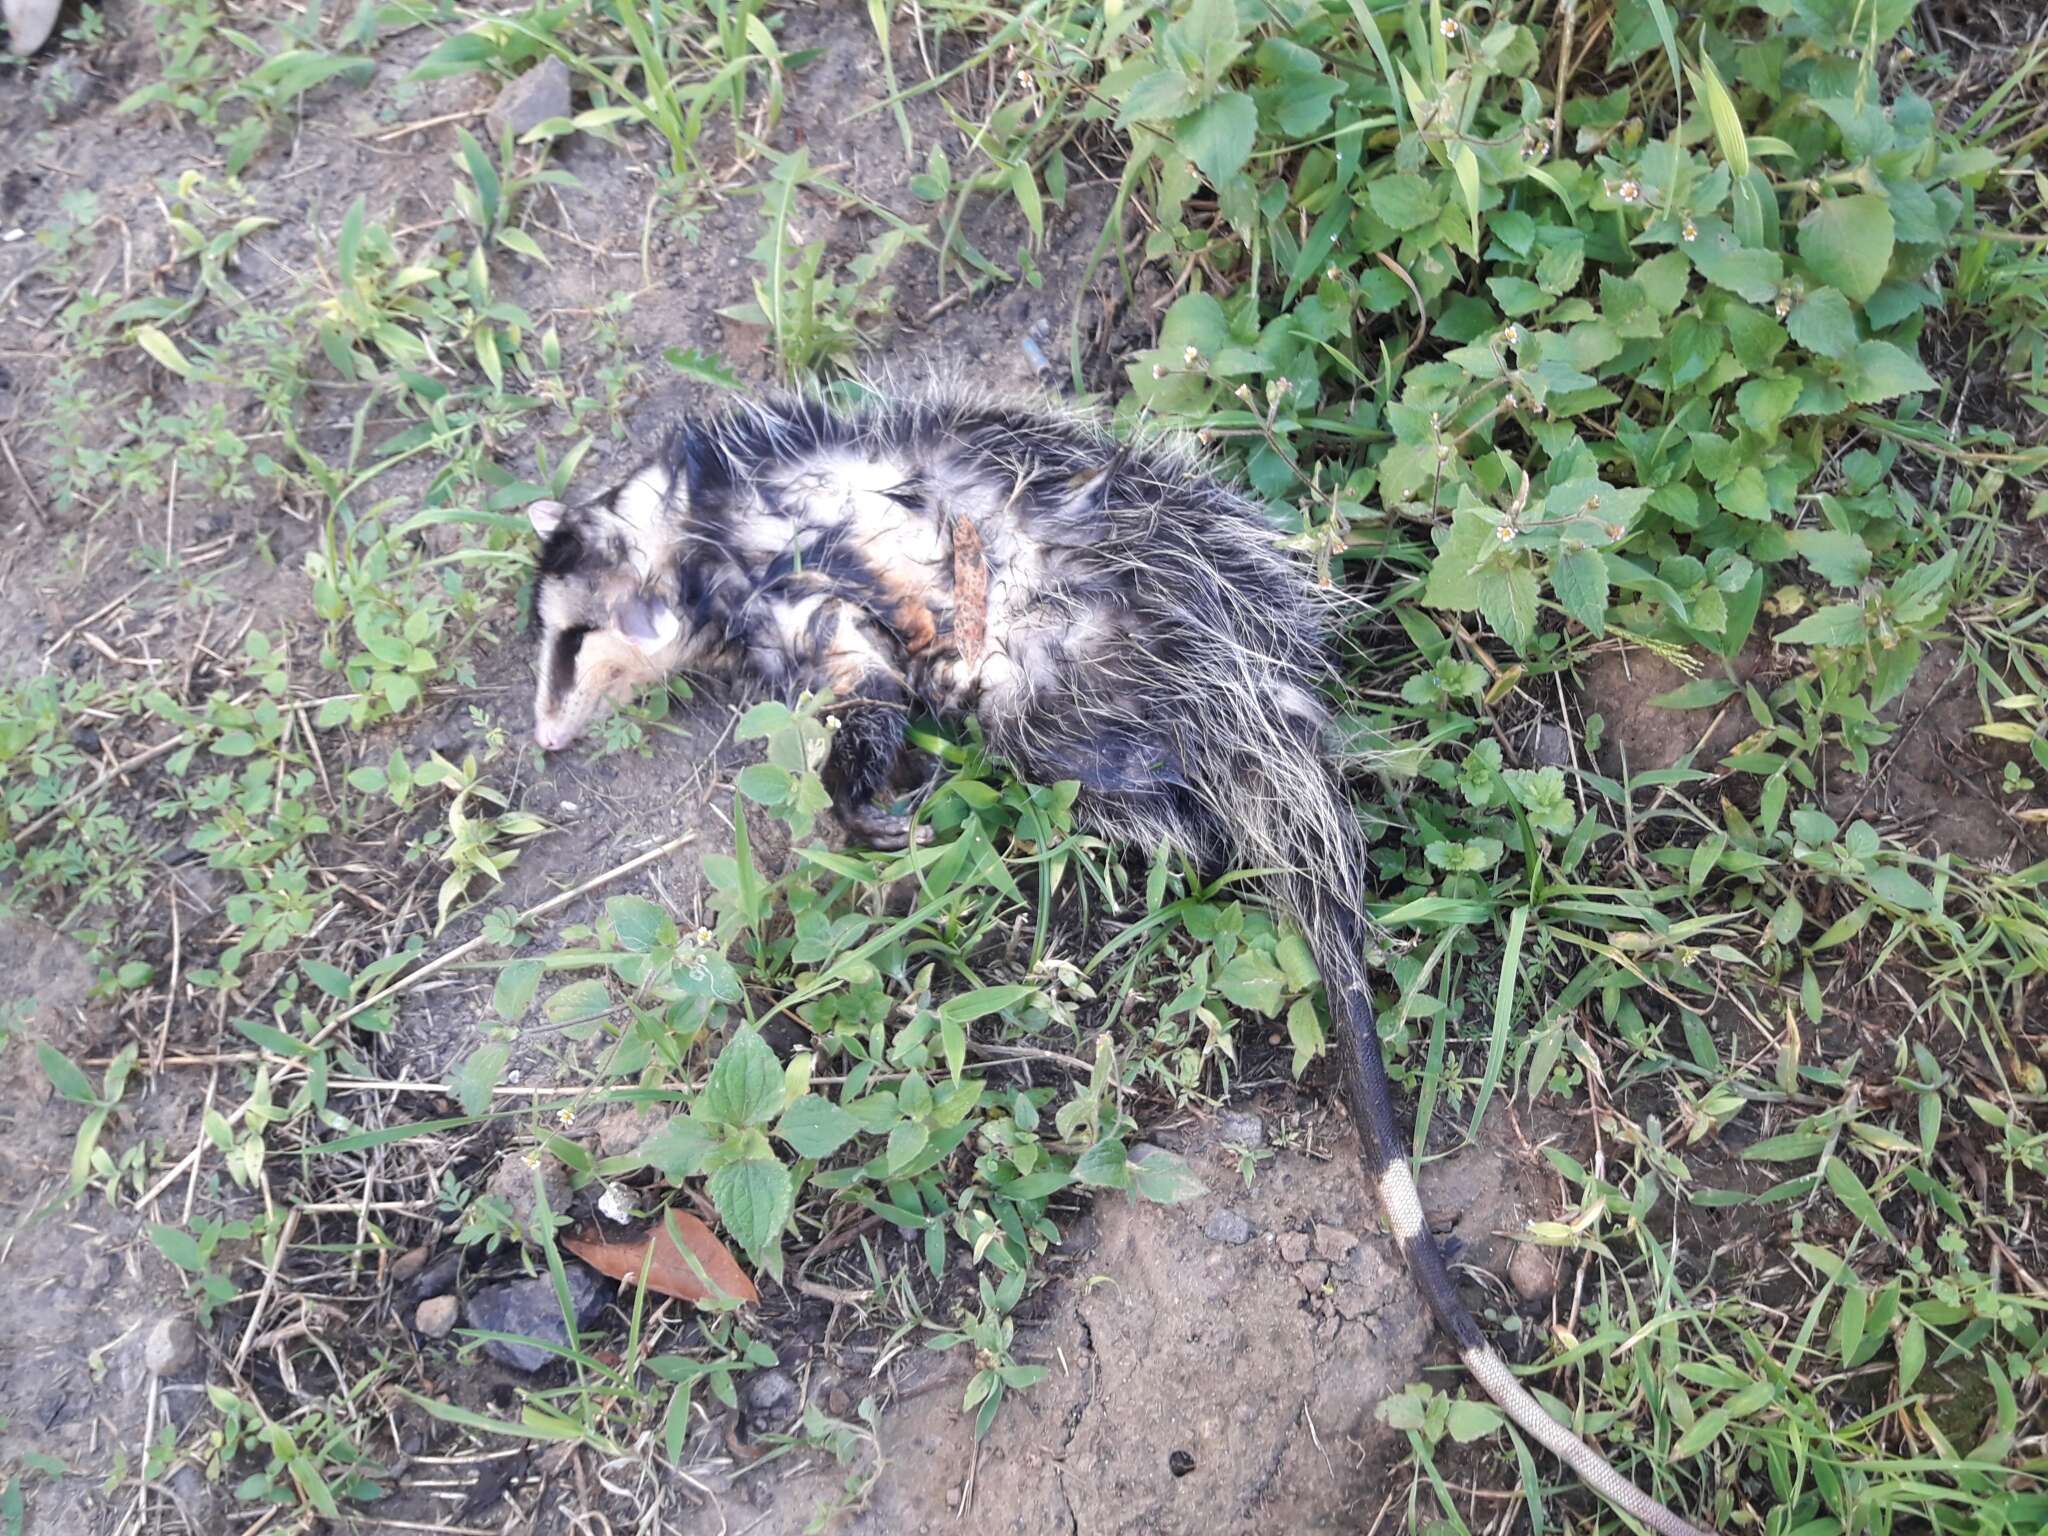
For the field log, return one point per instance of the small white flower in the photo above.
(566, 1115)
(1505, 534)
(1244, 393)
(1510, 335)
(1191, 356)
(1333, 274)
(532, 1158)
(1592, 503)
(1629, 191)
(1783, 306)
(1159, 370)
(703, 938)
(832, 721)
(1689, 232)
(1448, 26)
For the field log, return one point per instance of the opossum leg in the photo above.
(848, 653)
(865, 747)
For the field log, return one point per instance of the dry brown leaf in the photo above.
(681, 1238)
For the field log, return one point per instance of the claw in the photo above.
(883, 830)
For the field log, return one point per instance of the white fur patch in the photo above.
(1399, 1200)
(642, 507)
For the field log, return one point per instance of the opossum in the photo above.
(1110, 612)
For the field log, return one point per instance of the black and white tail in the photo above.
(1371, 1100)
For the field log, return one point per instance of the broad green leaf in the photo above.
(1252, 980)
(480, 1072)
(1894, 885)
(179, 1246)
(1580, 580)
(1726, 263)
(1453, 577)
(1842, 558)
(1165, 1179)
(1836, 624)
(745, 1086)
(578, 1002)
(1847, 243)
(1879, 371)
(1822, 322)
(816, 1127)
(1218, 137)
(163, 349)
(1471, 1420)
(754, 1197)
(1508, 596)
(1404, 201)
(64, 1077)
(513, 995)
(1304, 1033)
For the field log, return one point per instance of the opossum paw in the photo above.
(883, 831)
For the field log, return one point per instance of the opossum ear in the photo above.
(695, 462)
(648, 622)
(546, 516)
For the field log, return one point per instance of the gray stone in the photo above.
(770, 1398)
(1294, 1247)
(539, 94)
(1228, 1226)
(1552, 746)
(29, 23)
(1241, 1130)
(172, 1345)
(528, 1309)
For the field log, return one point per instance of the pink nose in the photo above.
(549, 739)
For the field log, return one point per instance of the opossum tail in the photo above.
(1339, 939)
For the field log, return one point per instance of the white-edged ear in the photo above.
(647, 623)
(546, 516)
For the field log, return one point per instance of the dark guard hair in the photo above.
(1110, 614)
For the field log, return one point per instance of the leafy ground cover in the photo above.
(1664, 382)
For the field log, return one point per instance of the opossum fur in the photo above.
(1110, 613)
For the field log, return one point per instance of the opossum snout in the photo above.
(550, 737)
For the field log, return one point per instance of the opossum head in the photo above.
(605, 602)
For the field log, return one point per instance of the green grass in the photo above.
(1668, 364)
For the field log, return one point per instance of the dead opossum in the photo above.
(1109, 614)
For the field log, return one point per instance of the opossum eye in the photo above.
(646, 621)
(562, 661)
(546, 517)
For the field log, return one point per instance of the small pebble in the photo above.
(171, 1346)
(1294, 1247)
(408, 1264)
(1532, 1271)
(435, 1316)
(770, 1398)
(1228, 1226)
